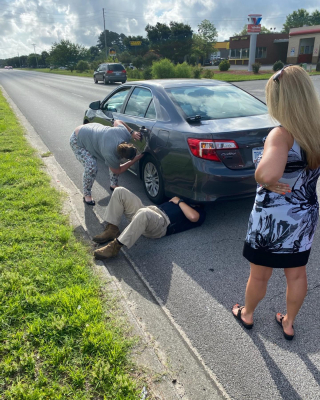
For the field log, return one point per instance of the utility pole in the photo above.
(105, 33)
(34, 47)
(19, 60)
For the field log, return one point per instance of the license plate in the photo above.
(118, 73)
(256, 153)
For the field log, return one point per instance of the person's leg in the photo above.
(90, 166)
(296, 292)
(145, 222)
(114, 179)
(255, 291)
(121, 202)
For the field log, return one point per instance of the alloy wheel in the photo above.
(151, 179)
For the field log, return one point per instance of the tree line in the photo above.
(175, 41)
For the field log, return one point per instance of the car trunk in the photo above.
(249, 134)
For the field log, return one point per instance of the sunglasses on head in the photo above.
(279, 73)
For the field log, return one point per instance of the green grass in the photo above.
(61, 335)
(238, 77)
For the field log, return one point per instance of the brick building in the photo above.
(271, 47)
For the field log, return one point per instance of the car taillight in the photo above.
(124, 71)
(109, 72)
(207, 149)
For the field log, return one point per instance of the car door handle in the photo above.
(143, 129)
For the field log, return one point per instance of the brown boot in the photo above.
(110, 250)
(111, 232)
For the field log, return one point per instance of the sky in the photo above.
(28, 25)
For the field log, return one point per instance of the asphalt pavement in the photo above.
(181, 288)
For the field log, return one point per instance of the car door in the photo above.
(100, 72)
(140, 115)
(111, 106)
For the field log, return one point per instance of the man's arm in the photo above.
(188, 211)
(134, 135)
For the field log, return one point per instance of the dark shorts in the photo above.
(275, 260)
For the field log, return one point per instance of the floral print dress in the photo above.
(281, 227)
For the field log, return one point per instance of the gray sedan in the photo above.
(200, 137)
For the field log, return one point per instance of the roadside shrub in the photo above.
(278, 65)
(224, 65)
(255, 67)
(193, 60)
(183, 70)
(197, 72)
(147, 73)
(134, 74)
(82, 66)
(208, 74)
(95, 65)
(163, 69)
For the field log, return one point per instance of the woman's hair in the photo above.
(293, 101)
(126, 150)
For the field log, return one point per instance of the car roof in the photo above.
(170, 83)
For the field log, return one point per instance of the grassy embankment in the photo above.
(228, 76)
(61, 335)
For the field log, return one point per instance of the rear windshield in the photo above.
(116, 67)
(216, 102)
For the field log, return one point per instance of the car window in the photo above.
(216, 102)
(139, 102)
(115, 102)
(116, 67)
(103, 67)
(151, 112)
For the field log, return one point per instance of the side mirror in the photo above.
(95, 105)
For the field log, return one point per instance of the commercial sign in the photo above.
(254, 25)
(112, 52)
(135, 43)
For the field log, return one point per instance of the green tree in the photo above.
(171, 41)
(32, 60)
(44, 58)
(65, 53)
(206, 40)
(114, 40)
(137, 50)
(315, 18)
(296, 19)
(94, 52)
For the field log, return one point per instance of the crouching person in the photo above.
(151, 221)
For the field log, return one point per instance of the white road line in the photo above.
(78, 95)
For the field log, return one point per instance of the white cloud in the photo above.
(44, 22)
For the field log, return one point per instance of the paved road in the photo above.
(200, 274)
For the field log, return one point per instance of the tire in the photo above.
(95, 80)
(105, 81)
(152, 180)
(124, 81)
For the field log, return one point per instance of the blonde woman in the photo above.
(285, 213)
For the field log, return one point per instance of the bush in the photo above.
(208, 74)
(183, 70)
(147, 73)
(255, 67)
(224, 65)
(197, 72)
(134, 74)
(278, 65)
(163, 69)
(82, 66)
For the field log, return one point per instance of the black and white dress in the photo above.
(281, 227)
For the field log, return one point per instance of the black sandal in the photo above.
(90, 203)
(238, 316)
(279, 322)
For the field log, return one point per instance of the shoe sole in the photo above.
(286, 336)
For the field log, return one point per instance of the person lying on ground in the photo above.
(151, 221)
(92, 142)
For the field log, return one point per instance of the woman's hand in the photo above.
(136, 136)
(138, 157)
(280, 188)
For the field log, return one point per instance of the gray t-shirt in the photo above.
(101, 141)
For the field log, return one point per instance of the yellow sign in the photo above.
(135, 43)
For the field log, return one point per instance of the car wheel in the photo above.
(124, 81)
(95, 80)
(105, 80)
(152, 180)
